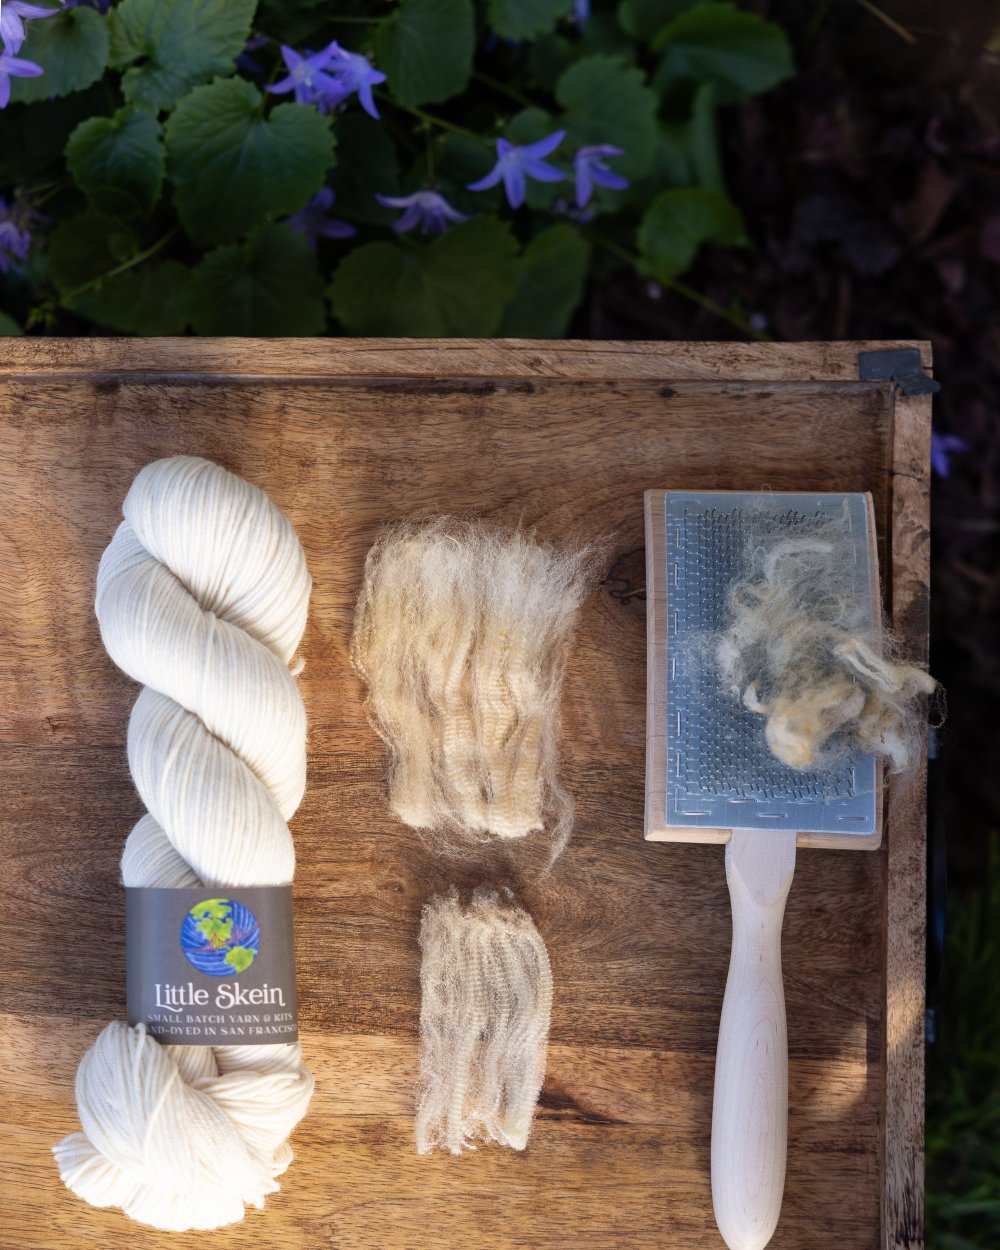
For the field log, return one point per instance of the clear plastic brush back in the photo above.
(720, 772)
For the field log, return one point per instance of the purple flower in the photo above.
(15, 238)
(101, 6)
(516, 164)
(355, 72)
(13, 14)
(14, 67)
(307, 76)
(581, 11)
(315, 224)
(591, 170)
(942, 445)
(426, 209)
(328, 77)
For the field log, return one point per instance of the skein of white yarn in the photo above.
(202, 596)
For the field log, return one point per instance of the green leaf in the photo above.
(678, 222)
(84, 247)
(524, 19)
(366, 163)
(267, 285)
(33, 139)
(703, 140)
(166, 47)
(547, 58)
(240, 958)
(693, 146)
(71, 47)
(458, 285)
(459, 160)
(8, 326)
(154, 299)
(550, 281)
(426, 49)
(602, 34)
(671, 167)
(643, 18)
(118, 161)
(232, 167)
(607, 101)
(530, 125)
(739, 52)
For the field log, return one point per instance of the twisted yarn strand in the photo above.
(202, 597)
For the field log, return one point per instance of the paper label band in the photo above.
(211, 967)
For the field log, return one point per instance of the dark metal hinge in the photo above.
(902, 366)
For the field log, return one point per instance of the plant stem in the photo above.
(44, 196)
(30, 192)
(125, 265)
(682, 288)
(431, 119)
(498, 85)
(881, 16)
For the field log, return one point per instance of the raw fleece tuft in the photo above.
(486, 999)
(461, 634)
(799, 650)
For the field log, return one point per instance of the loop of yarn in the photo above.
(202, 596)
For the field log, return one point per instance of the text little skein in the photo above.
(228, 995)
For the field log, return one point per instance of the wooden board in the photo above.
(565, 436)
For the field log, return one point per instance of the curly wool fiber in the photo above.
(486, 1000)
(461, 634)
(202, 596)
(800, 650)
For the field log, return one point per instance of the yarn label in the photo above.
(211, 968)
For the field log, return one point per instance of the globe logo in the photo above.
(220, 937)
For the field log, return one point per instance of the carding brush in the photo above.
(711, 777)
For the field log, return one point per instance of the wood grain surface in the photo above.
(564, 437)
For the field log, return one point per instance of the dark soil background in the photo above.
(871, 187)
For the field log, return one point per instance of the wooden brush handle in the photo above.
(750, 1113)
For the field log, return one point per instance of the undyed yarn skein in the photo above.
(202, 596)
(461, 634)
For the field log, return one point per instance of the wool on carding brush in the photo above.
(201, 596)
(461, 634)
(486, 999)
(799, 650)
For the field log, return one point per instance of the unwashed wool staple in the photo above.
(461, 634)
(798, 650)
(202, 597)
(486, 999)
